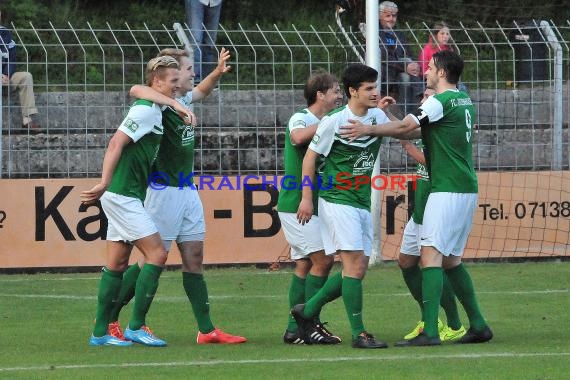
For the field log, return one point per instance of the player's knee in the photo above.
(302, 267)
(193, 267)
(157, 257)
(450, 262)
(407, 261)
(117, 266)
(322, 263)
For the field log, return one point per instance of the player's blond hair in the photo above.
(157, 66)
(174, 53)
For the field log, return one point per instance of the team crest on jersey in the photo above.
(316, 139)
(364, 163)
(187, 135)
(131, 125)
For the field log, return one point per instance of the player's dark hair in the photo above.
(451, 63)
(318, 81)
(355, 75)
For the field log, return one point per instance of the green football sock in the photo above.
(127, 290)
(296, 296)
(352, 298)
(147, 284)
(109, 288)
(463, 287)
(413, 279)
(431, 293)
(331, 290)
(449, 305)
(312, 285)
(197, 293)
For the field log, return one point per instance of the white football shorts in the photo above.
(303, 239)
(411, 239)
(177, 213)
(448, 218)
(127, 218)
(345, 228)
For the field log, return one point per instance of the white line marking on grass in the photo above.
(263, 296)
(170, 276)
(378, 358)
(50, 296)
(31, 279)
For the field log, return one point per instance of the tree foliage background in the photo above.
(60, 14)
(269, 12)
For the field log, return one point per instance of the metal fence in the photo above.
(517, 74)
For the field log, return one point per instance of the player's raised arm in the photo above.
(397, 128)
(205, 87)
(145, 92)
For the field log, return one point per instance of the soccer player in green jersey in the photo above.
(344, 203)
(409, 257)
(446, 120)
(126, 167)
(172, 200)
(312, 266)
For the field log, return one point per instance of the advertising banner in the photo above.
(44, 224)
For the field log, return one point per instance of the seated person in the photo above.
(20, 81)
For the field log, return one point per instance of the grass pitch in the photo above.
(46, 320)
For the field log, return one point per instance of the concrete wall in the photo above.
(243, 131)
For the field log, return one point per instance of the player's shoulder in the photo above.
(302, 118)
(142, 108)
(377, 116)
(300, 114)
(377, 113)
(336, 112)
(447, 94)
(186, 100)
(452, 98)
(142, 105)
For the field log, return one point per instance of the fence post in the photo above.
(373, 60)
(557, 95)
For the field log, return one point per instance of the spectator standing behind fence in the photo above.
(203, 17)
(399, 72)
(438, 40)
(20, 81)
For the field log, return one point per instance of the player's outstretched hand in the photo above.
(91, 196)
(385, 102)
(223, 59)
(354, 130)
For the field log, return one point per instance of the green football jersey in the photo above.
(290, 193)
(421, 194)
(446, 122)
(347, 164)
(143, 124)
(176, 155)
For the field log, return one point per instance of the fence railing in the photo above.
(515, 74)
